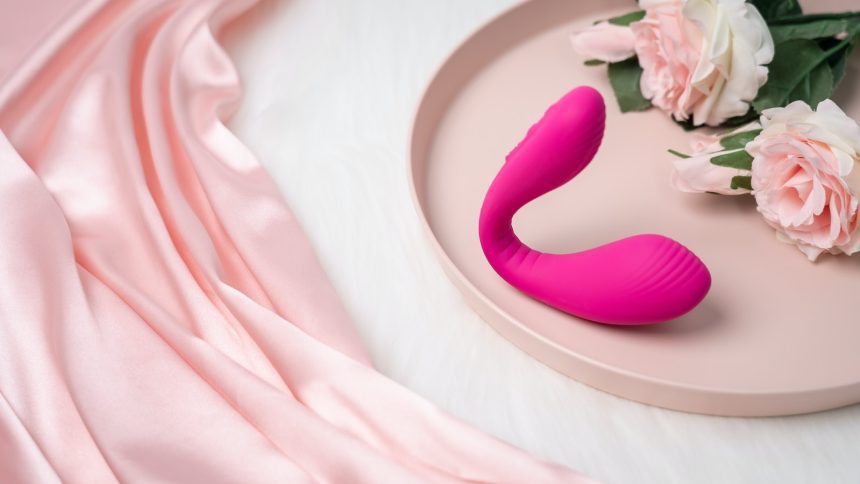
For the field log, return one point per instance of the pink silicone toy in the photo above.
(638, 280)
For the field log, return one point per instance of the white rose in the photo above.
(731, 70)
(703, 59)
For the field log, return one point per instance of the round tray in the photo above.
(776, 335)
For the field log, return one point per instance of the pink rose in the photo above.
(703, 59)
(669, 48)
(802, 177)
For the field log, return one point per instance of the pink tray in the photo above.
(777, 335)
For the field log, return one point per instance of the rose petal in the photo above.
(698, 175)
(604, 41)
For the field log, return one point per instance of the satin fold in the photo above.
(162, 316)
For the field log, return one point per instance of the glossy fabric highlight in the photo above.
(162, 316)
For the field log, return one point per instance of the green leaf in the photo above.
(775, 9)
(799, 71)
(741, 182)
(815, 29)
(824, 28)
(819, 87)
(741, 120)
(686, 124)
(624, 78)
(837, 65)
(627, 18)
(594, 62)
(736, 159)
(732, 122)
(678, 154)
(739, 140)
(799, 19)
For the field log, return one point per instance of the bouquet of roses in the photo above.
(753, 69)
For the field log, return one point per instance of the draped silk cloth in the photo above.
(162, 316)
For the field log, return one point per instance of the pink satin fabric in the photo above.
(162, 316)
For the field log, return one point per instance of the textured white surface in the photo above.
(330, 88)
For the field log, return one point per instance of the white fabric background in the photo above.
(330, 87)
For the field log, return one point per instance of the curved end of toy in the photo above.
(563, 142)
(651, 279)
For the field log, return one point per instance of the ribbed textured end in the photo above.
(671, 267)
